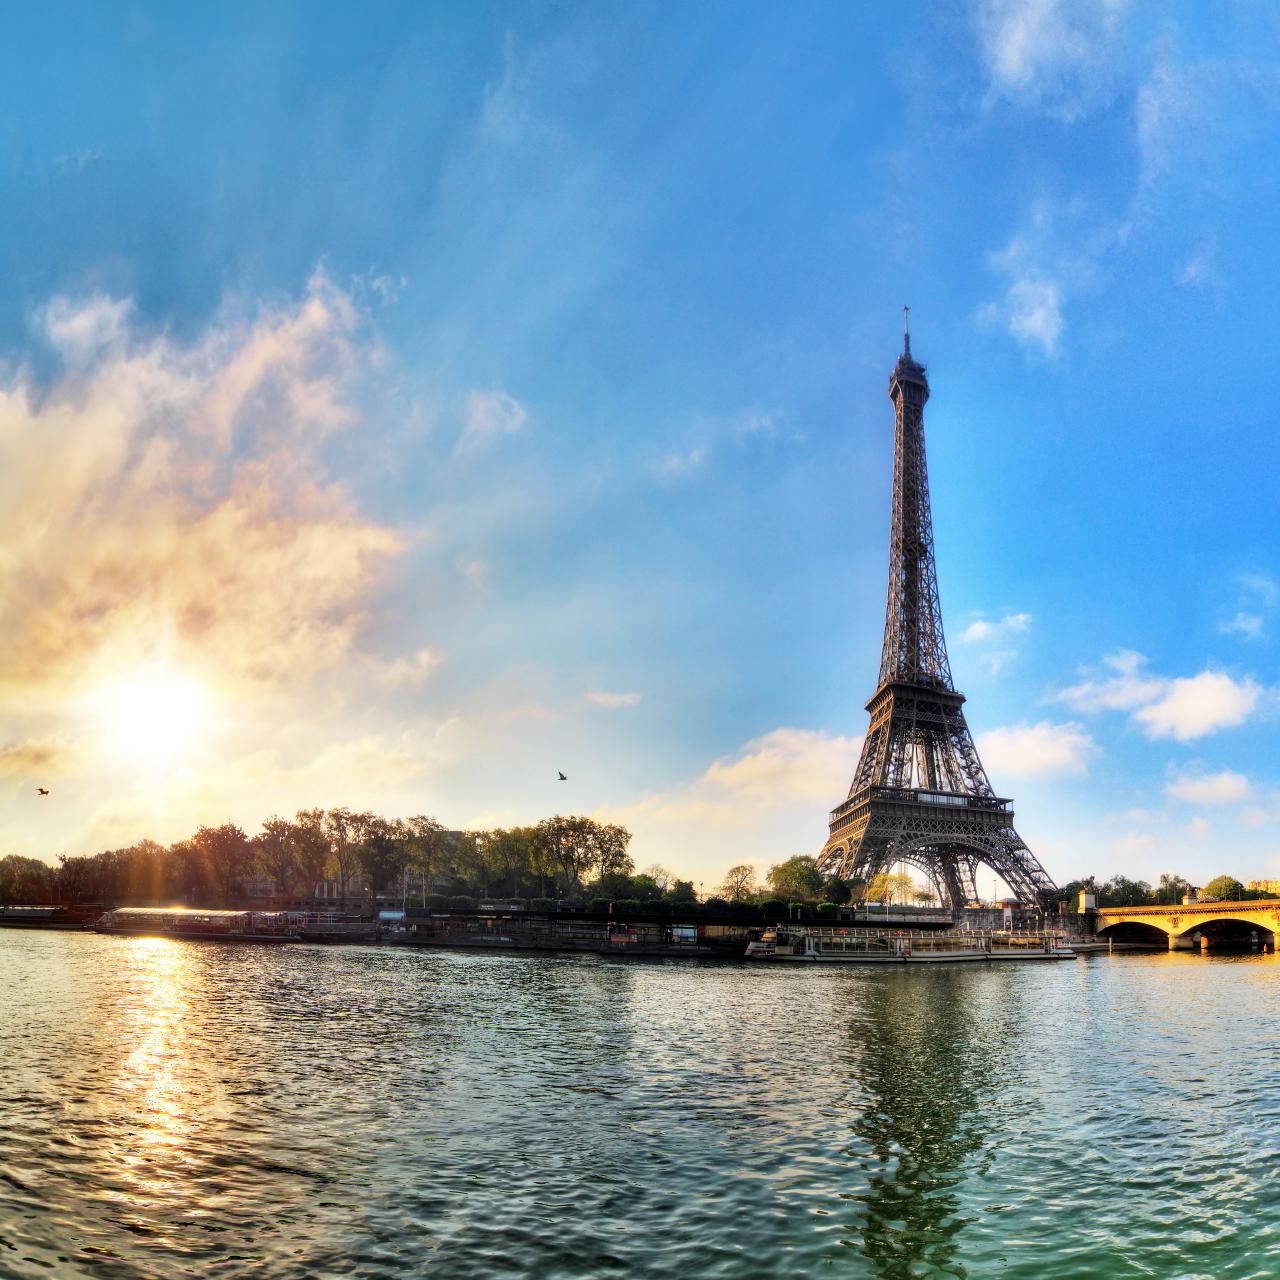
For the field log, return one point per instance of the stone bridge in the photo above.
(1221, 922)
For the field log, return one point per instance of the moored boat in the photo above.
(882, 946)
(200, 924)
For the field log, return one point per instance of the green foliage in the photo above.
(437, 900)
(626, 906)
(827, 911)
(797, 879)
(681, 892)
(599, 905)
(655, 907)
(1120, 891)
(1224, 888)
(773, 910)
(838, 891)
(715, 906)
(543, 904)
(461, 902)
(25, 881)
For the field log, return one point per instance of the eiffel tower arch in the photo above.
(920, 795)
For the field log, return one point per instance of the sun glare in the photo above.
(152, 717)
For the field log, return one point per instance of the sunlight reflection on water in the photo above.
(173, 1108)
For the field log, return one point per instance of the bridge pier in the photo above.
(1180, 942)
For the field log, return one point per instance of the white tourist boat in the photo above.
(884, 946)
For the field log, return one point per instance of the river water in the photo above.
(172, 1108)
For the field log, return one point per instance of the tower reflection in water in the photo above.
(927, 1047)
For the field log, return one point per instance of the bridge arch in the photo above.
(1226, 922)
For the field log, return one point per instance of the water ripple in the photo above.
(172, 1109)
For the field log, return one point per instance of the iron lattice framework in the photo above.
(920, 795)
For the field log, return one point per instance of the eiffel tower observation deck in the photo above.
(920, 795)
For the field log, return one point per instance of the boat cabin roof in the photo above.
(202, 912)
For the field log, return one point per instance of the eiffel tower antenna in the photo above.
(920, 795)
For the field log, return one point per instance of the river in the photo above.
(172, 1109)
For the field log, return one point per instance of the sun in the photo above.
(152, 716)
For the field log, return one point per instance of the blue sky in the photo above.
(423, 400)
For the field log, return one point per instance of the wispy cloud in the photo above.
(1054, 258)
(612, 701)
(996, 639)
(679, 465)
(1056, 57)
(36, 757)
(490, 415)
(763, 802)
(1256, 599)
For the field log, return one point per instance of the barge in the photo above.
(883, 946)
(200, 924)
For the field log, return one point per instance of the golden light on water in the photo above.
(155, 1072)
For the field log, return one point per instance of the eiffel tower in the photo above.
(920, 795)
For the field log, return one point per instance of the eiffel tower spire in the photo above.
(920, 795)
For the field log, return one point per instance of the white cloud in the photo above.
(1054, 257)
(1192, 707)
(1031, 310)
(1040, 750)
(612, 701)
(490, 415)
(1183, 708)
(1129, 687)
(983, 630)
(1054, 56)
(1200, 827)
(1225, 787)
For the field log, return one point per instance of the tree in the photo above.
(573, 846)
(1223, 889)
(797, 879)
(275, 848)
(890, 886)
(739, 882)
(660, 877)
(311, 849)
(1120, 891)
(346, 831)
(227, 857)
(25, 881)
(615, 866)
(681, 893)
(382, 853)
(1171, 888)
(426, 847)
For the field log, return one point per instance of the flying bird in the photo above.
(43, 791)
(561, 778)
